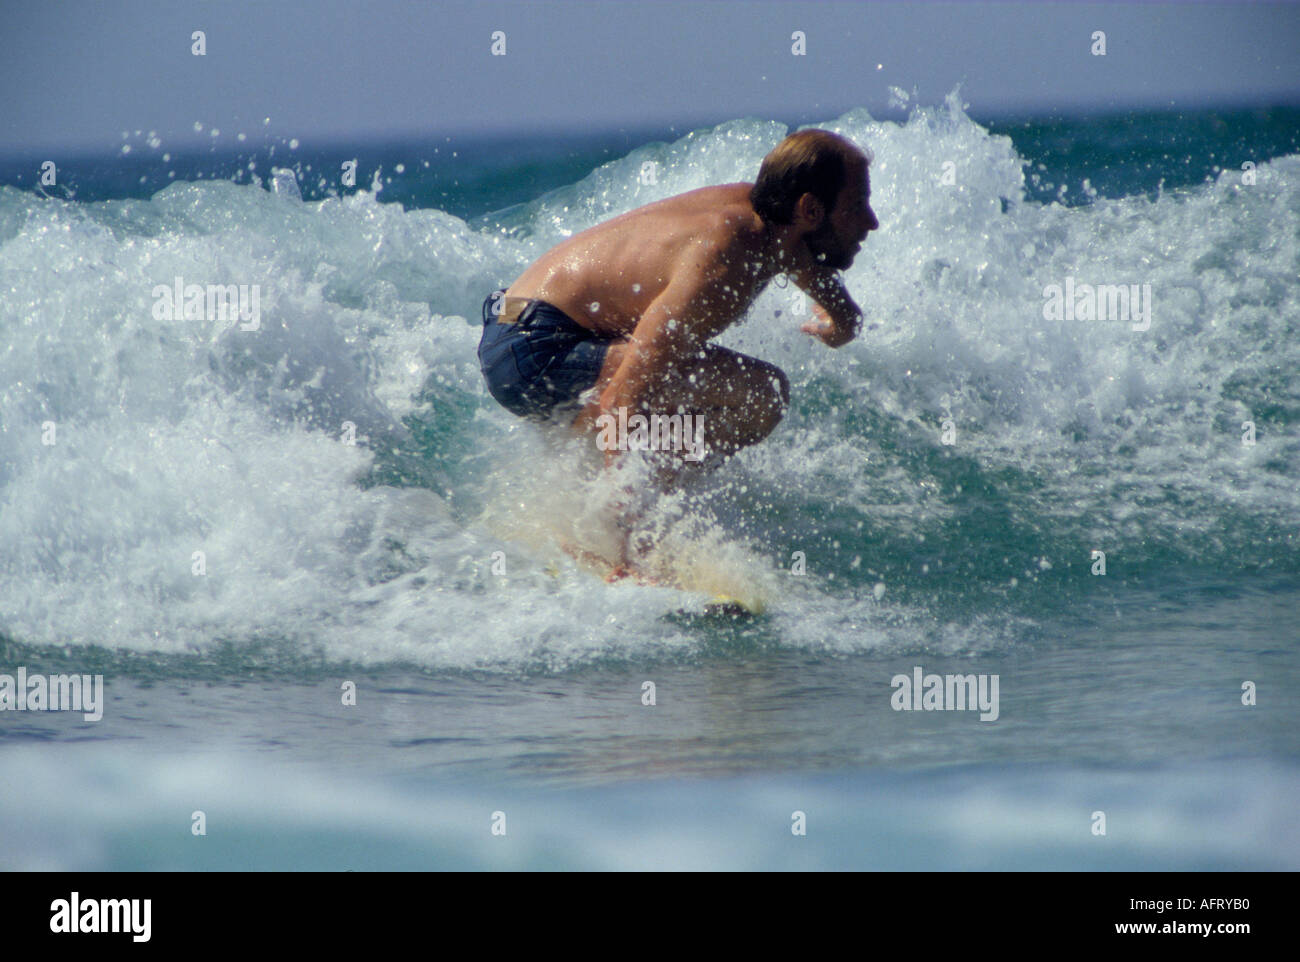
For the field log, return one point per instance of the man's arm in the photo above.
(699, 302)
(838, 317)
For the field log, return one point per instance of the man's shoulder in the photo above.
(713, 198)
(723, 216)
(721, 199)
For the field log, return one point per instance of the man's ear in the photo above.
(810, 211)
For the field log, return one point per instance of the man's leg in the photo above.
(737, 399)
(740, 399)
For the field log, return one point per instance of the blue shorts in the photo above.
(539, 365)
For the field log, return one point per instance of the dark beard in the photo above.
(821, 244)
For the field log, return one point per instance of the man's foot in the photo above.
(589, 558)
(616, 571)
(627, 571)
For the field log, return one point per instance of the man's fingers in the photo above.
(823, 332)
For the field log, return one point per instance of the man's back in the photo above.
(607, 276)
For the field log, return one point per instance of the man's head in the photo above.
(818, 181)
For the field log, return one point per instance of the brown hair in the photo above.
(807, 162)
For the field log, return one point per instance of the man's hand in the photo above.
(828, 332)
(837, 317)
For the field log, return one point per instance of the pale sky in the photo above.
(76, 74)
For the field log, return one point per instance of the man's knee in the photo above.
(778, 388)
(782, 384)
(772, 390)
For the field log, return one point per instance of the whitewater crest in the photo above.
(173, 475)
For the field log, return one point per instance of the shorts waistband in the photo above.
(525, 313)
(505, 310)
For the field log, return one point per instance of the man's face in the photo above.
(839, 238)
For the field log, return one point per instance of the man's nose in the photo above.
(872, 223)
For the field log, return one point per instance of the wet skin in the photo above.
(670, 276)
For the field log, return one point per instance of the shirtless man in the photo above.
(620, 316)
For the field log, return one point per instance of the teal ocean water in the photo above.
(182, 511)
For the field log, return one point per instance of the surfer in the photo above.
(617, 319)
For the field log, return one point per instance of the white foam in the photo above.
(182, 436)
(293, 816)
